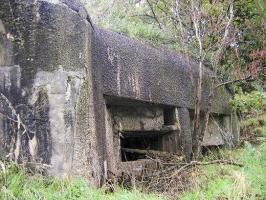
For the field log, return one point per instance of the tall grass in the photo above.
(211, 182)
(17, 184)
(232, 182)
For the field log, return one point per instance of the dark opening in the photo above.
(210, 150)
(145, 142)
(169, 116)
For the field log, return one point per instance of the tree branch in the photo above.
(248, 78)
(155, 17)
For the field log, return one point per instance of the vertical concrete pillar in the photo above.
(235, 127)
(112, 150)
(186, 134)
(171, 141)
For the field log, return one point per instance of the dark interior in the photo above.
(145, 142)
(169, 116)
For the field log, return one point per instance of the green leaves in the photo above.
(254, 101)
(211, 9)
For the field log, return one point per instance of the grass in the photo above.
(232, 182)
(212, 182)
(22, 186)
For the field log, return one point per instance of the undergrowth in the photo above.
(210, 182)
(17, 184)
(232, 182)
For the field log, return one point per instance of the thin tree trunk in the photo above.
(198, 98)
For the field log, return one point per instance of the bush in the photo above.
(251, 107)
(247, 103)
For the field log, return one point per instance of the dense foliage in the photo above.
(250, 103)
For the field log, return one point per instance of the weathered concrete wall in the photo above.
(6, 46)
(136, 70)
(133, 118)
(215, 132)
(49, 41)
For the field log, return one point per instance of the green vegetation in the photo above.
(17, 184)
(232, 182)
(212, 181)
(250, 103)
(251, 106)
(127, 18)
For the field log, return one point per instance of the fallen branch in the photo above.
(147, 152)
(225, 162)
(158, 155)
(36, 164)
(193, 164)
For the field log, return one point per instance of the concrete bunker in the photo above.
(142, 127)
(89, 98)
(137, 128)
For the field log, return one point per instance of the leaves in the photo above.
(249, 102)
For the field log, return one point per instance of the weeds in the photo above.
(230, 182)
(18, 184)
(214, 181)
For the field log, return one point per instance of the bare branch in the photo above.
(248, 78)
(14, 113)
(154, 15)
(21, 127)
(225, 36)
